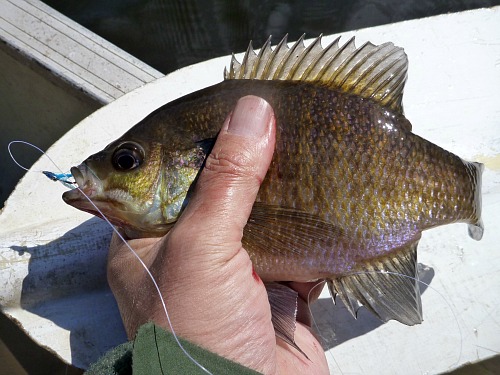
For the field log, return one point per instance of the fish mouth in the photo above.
(89, 190)
(90, 197)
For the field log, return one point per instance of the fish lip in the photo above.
(88, 195)
(89, 187)
(78, 175)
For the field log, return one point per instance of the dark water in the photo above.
(170, 34)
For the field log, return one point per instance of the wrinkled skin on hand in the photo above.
(213, 296)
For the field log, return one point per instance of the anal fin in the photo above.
(283, 302)
(388, 287)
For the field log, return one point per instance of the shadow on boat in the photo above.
(334, 324)
(66, 284)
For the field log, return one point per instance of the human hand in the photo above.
(210, 289)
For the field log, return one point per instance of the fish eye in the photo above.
(127, 156)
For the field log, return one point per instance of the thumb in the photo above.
(228, 185)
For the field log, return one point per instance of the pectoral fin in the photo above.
(283, 302)
(387, 287)
(287, 231)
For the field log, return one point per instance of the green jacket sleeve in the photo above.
(155, 351)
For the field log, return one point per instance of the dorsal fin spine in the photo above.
(231, 67)
(298, 63)
(334, 74)
(262, 52)
(357, 71)
(295, 50)
(370, 71)
(329, 61)
(281, 64)
(355, 67)
(310, 69)
(290, 52)
(244, 62)
(275, 52)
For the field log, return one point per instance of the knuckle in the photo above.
(234, 165)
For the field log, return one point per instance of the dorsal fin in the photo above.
(370, 71)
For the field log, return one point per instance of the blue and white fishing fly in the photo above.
(64, 178)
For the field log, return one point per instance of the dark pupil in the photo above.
(126, 160)
(127, 157)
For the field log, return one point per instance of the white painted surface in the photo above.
(52, 257)
(70, 51)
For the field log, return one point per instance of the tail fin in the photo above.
(476, 228)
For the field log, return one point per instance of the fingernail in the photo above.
(251, 117)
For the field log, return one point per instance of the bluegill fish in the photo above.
(350, 187)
